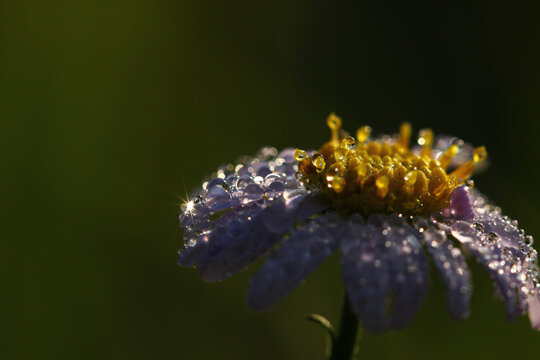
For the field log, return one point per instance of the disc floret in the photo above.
(384, 175)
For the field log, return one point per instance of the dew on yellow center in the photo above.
(384, 176)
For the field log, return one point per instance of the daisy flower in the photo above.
(389, 209)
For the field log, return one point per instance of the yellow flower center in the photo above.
(384, 176)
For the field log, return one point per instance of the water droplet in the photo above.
(299, 155)
(455, 252)
(258, 180)
(270, 195)
(198, 199)
(493, 237)
(216, 194)
(318, 162)
(480, 154)
(478, 226)
(243, 181)
(348, 143)
(340, 154)
(253, 189)
(231, 179)
(277, 186)
(456, 141)
(425, 137)
(270, 178)
(217, 182)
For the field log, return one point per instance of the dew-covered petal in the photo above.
(248, 237)
(366, 276)
(534, 310)
(197, 245)
(303, 252)
(193, 251)
(496, 259)
(517, 247)
(493, 221)
(286, 156)
(285, 163)
(385, 272)
(410, 275)
(235, 194)
(234, 186)
(282, 216)
(452, 268)
(243, 242)
(218, 199)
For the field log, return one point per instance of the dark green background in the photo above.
(111, 110)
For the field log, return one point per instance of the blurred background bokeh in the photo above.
(112, 110)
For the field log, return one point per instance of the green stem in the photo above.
(345, 345)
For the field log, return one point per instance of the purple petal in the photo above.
(287, 155)
(461, 206)
(452, 268)
(196, 248)
(410, 275)
(366, 277)
(384, 265)
(249, 237)
(280, 217)
(244, 241)
(499, 262)
(238, 195)
(218, 199)
(516, 245)
(534, 310)
(302, 253)
(494, 222)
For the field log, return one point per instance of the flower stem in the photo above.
(346, 342)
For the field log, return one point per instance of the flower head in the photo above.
(382, 204)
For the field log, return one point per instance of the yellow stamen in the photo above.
(334, 123)
(446, 158)
(337, 183)
(362, 170)
(425, 138)
(410, 180)
(363, 133)
(465, 171)
(405, 132)
(382, 184)
(384, 176)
